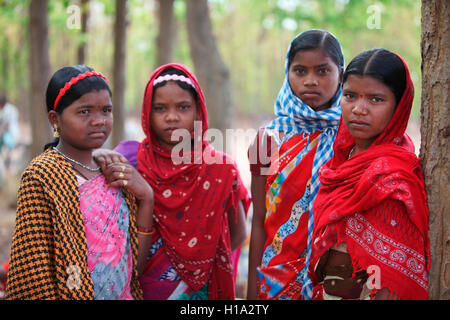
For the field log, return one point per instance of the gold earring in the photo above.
(56, 132)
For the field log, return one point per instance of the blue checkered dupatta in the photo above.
(295, 117)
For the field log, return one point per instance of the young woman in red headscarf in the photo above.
(200, 200)
(371, 225)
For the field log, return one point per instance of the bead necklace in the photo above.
(75, 161)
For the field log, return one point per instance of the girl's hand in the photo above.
(105, 157)
(119, 174)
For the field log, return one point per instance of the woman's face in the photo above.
(367, 108)
(87, 122)
(172, 108)
(314, 78)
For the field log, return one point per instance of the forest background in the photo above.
(252, 37)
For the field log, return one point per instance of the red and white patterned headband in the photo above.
(174, 77)
(74, 80)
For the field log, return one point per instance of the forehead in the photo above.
(172, 91)
(312, 57)
(365, 84)
(94, 98)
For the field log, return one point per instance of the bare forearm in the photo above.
(144, 221)
(238, 231)
(258, 234)
(257, 241)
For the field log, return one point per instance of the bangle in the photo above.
(146, 231)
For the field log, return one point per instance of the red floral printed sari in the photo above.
(191, 203)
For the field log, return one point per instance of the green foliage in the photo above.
(14, 49)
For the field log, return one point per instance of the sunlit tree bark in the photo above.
(119, 79)
(212, 73)
(435, 133)
(167, 32)
(40, 74)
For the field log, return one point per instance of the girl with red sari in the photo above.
(284, 185)
(200, 207)
(371, 216)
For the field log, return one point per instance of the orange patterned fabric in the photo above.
(49, 252)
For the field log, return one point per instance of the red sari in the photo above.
(376, 202)
(191, 203)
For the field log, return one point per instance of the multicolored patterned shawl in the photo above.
(295, 117)
(50, 230)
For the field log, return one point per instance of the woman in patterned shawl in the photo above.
(200, 200)
(77, 232)
(371, 214)
(299, 141)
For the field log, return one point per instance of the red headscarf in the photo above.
(387, 170)
(191, 201)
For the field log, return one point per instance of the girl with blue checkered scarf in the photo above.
(285, 158)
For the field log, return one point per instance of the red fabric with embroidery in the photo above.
(191, 201)
(352, 189)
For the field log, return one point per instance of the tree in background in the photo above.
(40, 74)
(252, 36)
(84, 22)
(119, 71)
(167, 32)
(210, 69)
(435, 133)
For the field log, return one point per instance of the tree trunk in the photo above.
(435, 132)
(167, 32)
(81, 53)
(210, 69)
(118, 99)
(40, 74)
